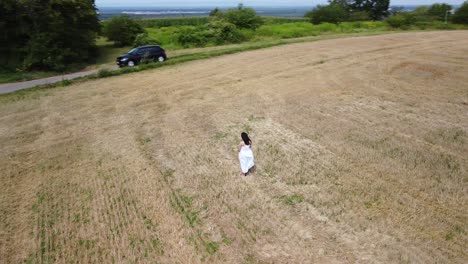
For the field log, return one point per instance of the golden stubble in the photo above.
(360, 145)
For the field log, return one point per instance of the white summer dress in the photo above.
(246, 158)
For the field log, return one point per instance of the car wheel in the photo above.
(161, 59)
(131, 63)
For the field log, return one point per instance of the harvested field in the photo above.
(361, 146)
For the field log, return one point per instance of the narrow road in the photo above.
(11, 87)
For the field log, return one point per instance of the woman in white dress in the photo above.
(246, 157)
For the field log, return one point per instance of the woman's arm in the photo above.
(241, 144)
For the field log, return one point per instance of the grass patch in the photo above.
(211, 247)
(226, 240)
(87, 244)
(183, 204)
(168, 175)
(102, 73)
(220, 136)
(374, 202)
(250, 259)
(253, 118)
(292, 199)
(157, 245)
(145, 140)
(448, 135)
(66, 82)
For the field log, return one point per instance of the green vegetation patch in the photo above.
(292, 199)
(220, 136)
(211, 247)
(168, 22)
(183, 204)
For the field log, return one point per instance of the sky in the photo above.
(223, 3)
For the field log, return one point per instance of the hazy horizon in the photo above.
(253, 3)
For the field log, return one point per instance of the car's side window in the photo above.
(142, 51)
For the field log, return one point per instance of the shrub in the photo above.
(423, 24)
(104, 73)
(193, 36)
(438, 11)
(359, 16)
(420, 14)
(225, 32)
(122, 30)
(461, 14)
(396, 21)
(166, 36)
(442, 25)
(144, 39)
(247, 34)
(244, 17)
(65, 82)
(333, 13)
(402, 20)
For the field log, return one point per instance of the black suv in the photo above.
(142, 54)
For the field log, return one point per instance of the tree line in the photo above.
(61, 35)
(360, 10)
(47, 34)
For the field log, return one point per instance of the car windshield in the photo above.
(133, 51)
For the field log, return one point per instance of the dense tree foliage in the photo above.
(359, 16)
(225, 32)
(377, 9)
(401, 20)
(13, 33)
(438, 11)
(332, 13)
(48, 34)
(122, 30)
(461, 14)
(350, 10)
(144, 39)
(243, 17)
(232, 26)
(419, 14)
(216, 12)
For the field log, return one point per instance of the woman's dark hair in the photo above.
(246, 138)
